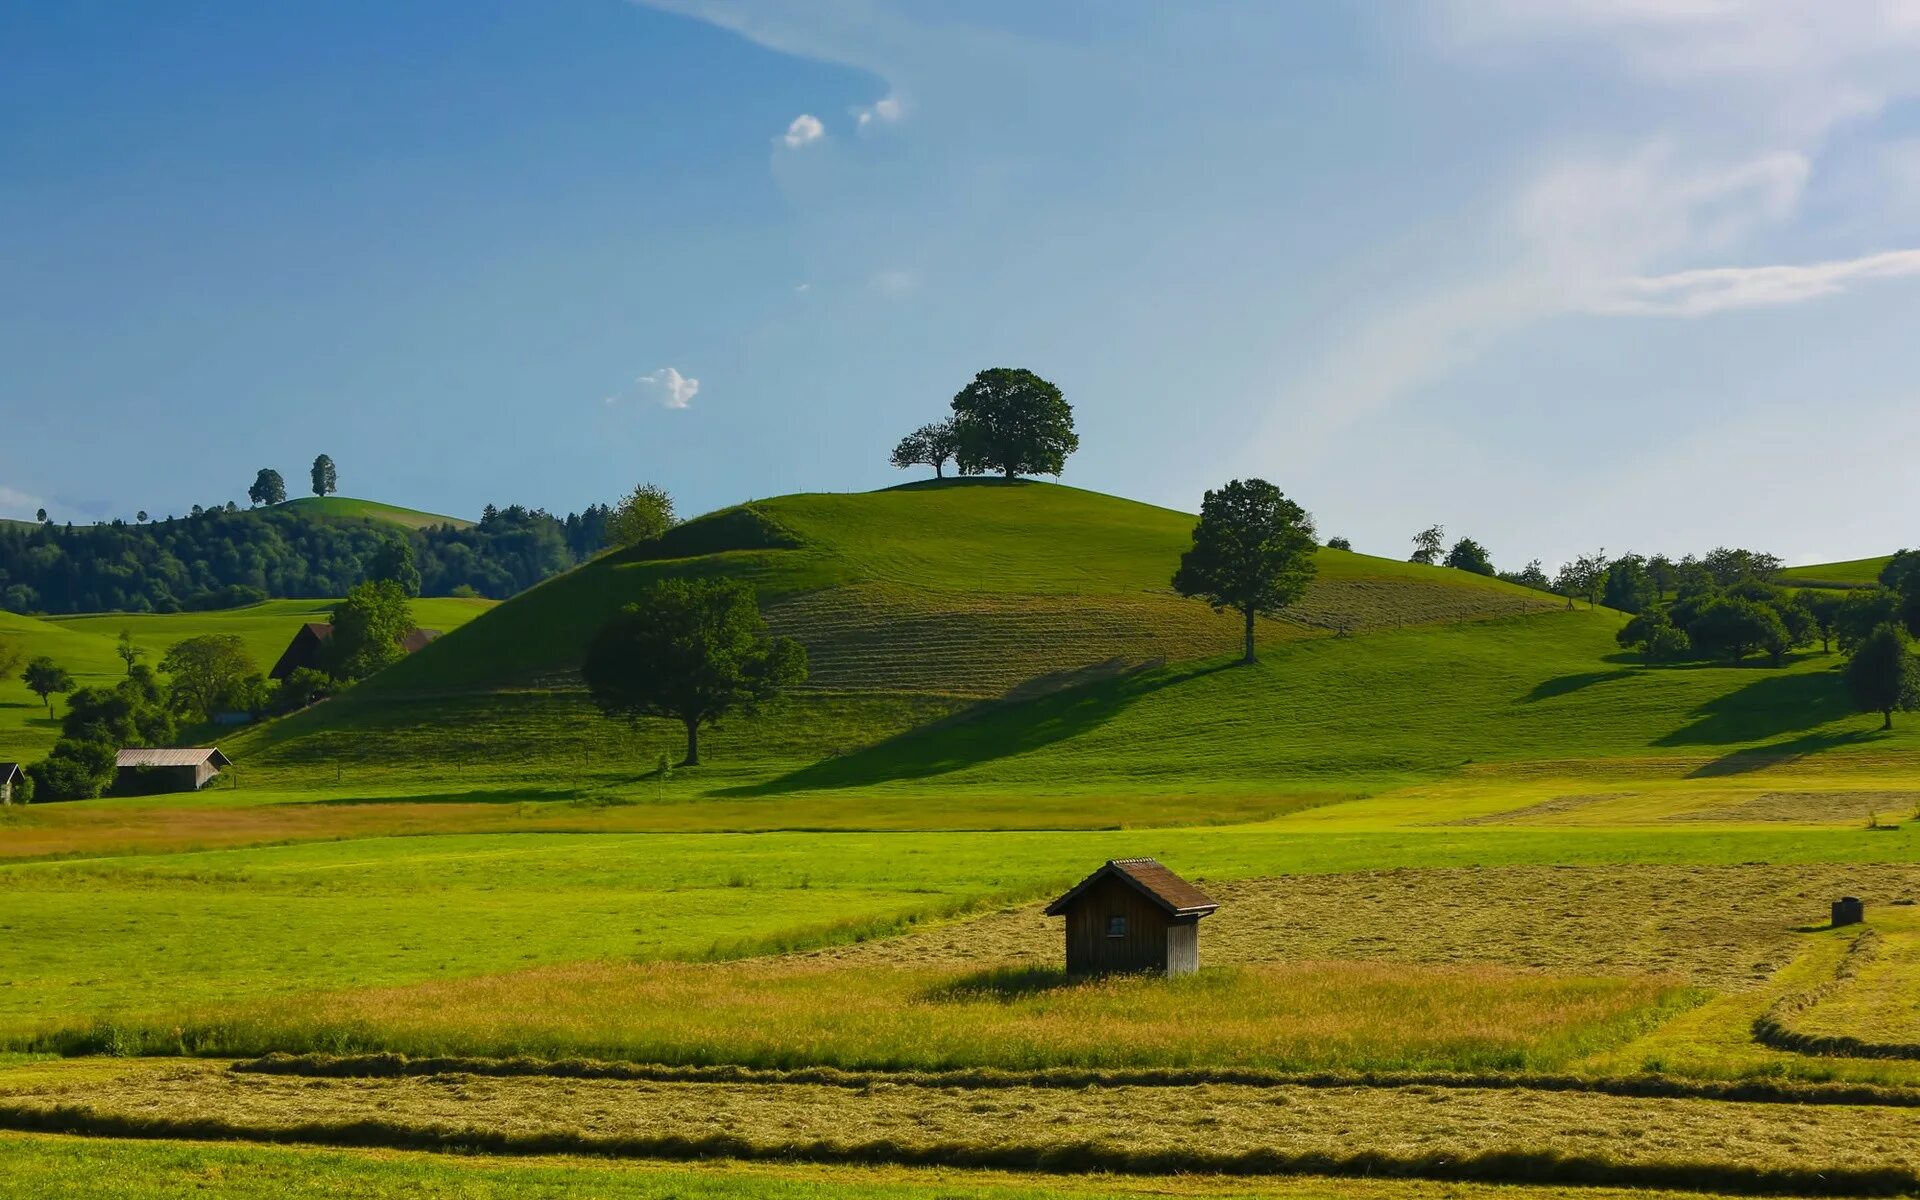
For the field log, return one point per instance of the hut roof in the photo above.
(1146, 875)
(303, 650)
(8, 770)
(157, 757)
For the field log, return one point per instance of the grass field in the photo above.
(1860, 572)
(349, 509)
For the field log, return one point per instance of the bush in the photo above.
(74, 770)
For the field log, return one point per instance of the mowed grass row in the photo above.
(52, 1165)
(1505, 1134)
(1277, 1017)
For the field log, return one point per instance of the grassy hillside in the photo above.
(1023, 641)
(1860, 572)
(85, 645)
(347, 507)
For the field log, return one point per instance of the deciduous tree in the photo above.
(325, 479)
(1469, 555)
(642, 515)
(268, 487)
(933, 444)
(46, 679)
(368, 627)
(1427, 545)
(691, 650)
(128, 652)
(1012, 421)
(393, 563)
(1252, 552)
(207, 674)
(1883, 676)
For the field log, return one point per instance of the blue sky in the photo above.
(1641, 274)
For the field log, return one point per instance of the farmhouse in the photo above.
(143, 772)
(304, 649)
(1133, 915)
(9, 777)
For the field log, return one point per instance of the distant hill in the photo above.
(347, 507)
(1859, 573)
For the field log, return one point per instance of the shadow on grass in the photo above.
(470, 796)
(987, 731)
(1001, 983)
(1759, 758)
(1566, 685)
(1771, 706)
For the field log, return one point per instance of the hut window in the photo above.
(1116, 927)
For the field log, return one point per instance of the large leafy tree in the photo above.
(393, 562)
(132, 712)
(690, 650)
(209, 673)
(268, 487)
(1428, 544)
(46, 679)
(1012, 421)
(1883, 676)
(1862, 611)
(1469, 555)
(368, 627)
(1252, 552)
(642, 515)
(933, 444)
(1735, 626)
(325, 479)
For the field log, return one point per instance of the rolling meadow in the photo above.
(1503, 909)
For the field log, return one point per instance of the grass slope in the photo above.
(349, 508)
(1861, 572)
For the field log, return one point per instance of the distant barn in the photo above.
(10, 776)
(1133, 915)
(144, 772)
(305, 648)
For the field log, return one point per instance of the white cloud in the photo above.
(19, 505)
(674, 389)
(805, 130)
(893, 283)
(886, 110)
(1710, 290)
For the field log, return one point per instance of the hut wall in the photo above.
(1183, 946)
(1090, 948)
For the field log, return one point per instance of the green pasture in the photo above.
(1859, 572)
(349, 508)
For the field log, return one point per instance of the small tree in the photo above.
(74, 770)
(140, 517)
(393, 563)
(1427, 545)
(1339, 543)
(325, 480)
(690, 650)
(1883, 676)
(268, 487)
(1252, 552)
(128, 652)
(1469, 555)
(1531, 576)
(930, 445)
(1585, 576)
(1012, 421)
(46, 679)
(302, 686)
(1862, 611)
(209, 673)
(642, 515)
(1824, 608)
(40, 515)
(368, 627)
(1736, 627)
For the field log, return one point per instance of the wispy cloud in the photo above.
(1700, 293)
(804, 131)
(674, 389)
(893, 283)
(886, 111)
(19, 505)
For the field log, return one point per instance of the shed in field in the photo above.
(1133, 915)
(305, 648)
(144, 772)
(9, 779)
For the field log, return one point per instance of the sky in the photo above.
(1623, 274)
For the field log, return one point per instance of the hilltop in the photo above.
(1022, 639)
(350, 508)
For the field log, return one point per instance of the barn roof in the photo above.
(154, 757)
(303, 650)
(8, 770)
(1163, 887)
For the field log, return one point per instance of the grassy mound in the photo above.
(1859, 573)
(351, 509)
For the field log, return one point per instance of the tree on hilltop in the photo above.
(268, 487)
(642, 515)
(1252, 552)
(1428, 545)
(690, 650)
(1012, 421)
(1585, 576)
(930, 445)
(1533, 575)
(1469, 555)
(1883, 676)
(325, 480)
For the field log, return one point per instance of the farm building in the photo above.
(305, 648)
(1133, 915)
(9, 780)
(143, 772)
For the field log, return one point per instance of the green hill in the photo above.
(1859, 573)
(348, 508)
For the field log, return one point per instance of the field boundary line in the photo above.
(1534, 1166)
(1773, 1027)
(1752, 1091)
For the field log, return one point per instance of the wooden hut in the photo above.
(307, 644)
(144, 772)
(10, 776)
(1133, 915)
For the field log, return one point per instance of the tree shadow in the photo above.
(1005, 984)
(516, 795)
(1565, 685)
(1759, 758)
(1771, 706)
(984, 732)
